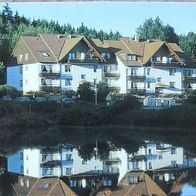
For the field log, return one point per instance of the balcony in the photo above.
(85, 60)
(49, 157)
(50, 172)
(112, 160)
(189, 79)
(52, 163)
(161, 64)
(50, 75)
(108, 74)
(67, 162)
(136, 91)
(114, 88)
(136, 78)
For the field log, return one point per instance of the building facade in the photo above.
(46, 162)
(149, 157)
(52, 62)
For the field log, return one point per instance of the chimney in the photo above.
(136, 38)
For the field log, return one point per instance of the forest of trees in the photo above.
(12, 25)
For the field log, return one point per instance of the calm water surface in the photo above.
(167, 156)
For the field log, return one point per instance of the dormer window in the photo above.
(131, 57)
(158, 59)
(133, 179)
(105, 55)
(45, 54)
(72, 55)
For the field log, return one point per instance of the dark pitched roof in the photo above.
(37, 47)
(144, 186)
(50, 186)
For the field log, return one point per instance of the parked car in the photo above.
(40, 99)
(68, 101)
(6, 98)
(54, 99)
(23, 98)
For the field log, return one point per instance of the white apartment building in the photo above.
(45, 162)
(149, 157)
(52, 62)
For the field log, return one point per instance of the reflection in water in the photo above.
(86, 161)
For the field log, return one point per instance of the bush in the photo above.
(9, 90)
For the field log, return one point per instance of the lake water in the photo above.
(160, 157)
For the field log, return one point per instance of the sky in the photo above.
(124, 17)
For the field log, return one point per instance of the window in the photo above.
(83, 76)
(133, 179)
(68, 157)
(73, 183)
(172, 84)
(133, 72)
(150, 165)
(107, 183)
(173, 164)
(45, 186)
(67, 68)
(95, 68)
(72, 55)
(27, 171)
(148, 71)
(131, 57)
(21, 182)
(172, 72)
(84, 162)
(78, 55)
(160, 156)
(148, 84)
(158, 59)
(27, 183)
(67, 82)
(45, 54)
(21, 70)
(105, 55)
(27, 158)
(26, 81)
(21, 155)
(158, 79)
(26, 68)
(68, 170)
(26, 56)
(190, 72)
(21, 83)
(82, 55)
(149, 151)
(173, 151)
(133, 85)
(21, 169)
(20, 57)
(95, 82)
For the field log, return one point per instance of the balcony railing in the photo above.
(108, 74)
(50, 75)
(67, 162)
(50, 157)
(112, 160)
(85, 60)
(190, 79)
(114, 88)
(136, 91)
(172, 64)
(50, 172)
(136, 77)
